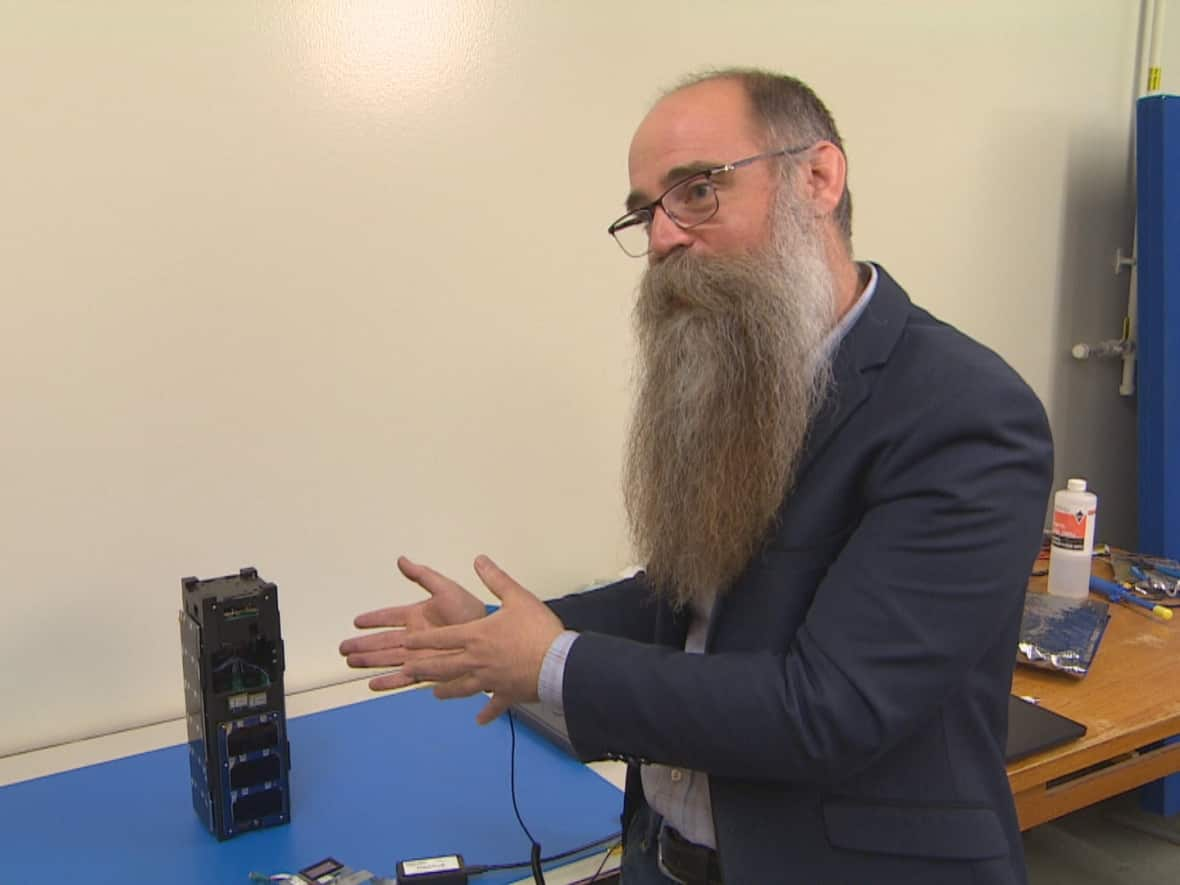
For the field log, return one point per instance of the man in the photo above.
(838, 499)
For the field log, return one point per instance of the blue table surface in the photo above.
(396, 777)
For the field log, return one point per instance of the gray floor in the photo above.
(1113, 842)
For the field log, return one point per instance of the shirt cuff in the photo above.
(552, 678)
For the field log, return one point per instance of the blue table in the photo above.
(399, 776)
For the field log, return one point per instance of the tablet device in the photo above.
(1032, 728)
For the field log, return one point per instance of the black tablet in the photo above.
(1032, 728)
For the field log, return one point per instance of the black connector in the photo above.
(448, 869)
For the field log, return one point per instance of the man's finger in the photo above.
(389, 681)
(383, 658)
(452, 638)
(496, 579)
(373, 642)
(438, 668)
(495, 708)
(393, 616)
(424, 576)
(463, 687)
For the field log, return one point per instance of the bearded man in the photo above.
(837, 498)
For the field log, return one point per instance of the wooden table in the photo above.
(1129, 702)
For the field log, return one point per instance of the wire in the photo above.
(535, 857)
(602, 864)
(612, 839)
(512, 776)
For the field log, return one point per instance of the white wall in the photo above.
(308, 285)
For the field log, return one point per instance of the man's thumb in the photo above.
(496, 579)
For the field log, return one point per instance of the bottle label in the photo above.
(1070, 528)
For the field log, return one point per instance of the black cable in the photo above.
(535, 859)
(612, 839)
(512, 776)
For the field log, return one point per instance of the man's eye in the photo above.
(697, 192)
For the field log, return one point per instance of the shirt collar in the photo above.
(849, 319)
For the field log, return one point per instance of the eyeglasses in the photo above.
(689, 202)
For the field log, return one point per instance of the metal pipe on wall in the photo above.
(1152, 29)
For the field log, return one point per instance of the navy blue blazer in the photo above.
(851, 706)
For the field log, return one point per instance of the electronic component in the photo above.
(445, 870)
(328, 871)
(232, 654)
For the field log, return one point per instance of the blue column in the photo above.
(1158, 267)
(1159, 324)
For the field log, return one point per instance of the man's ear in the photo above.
(825, 169)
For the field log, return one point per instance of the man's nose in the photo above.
(665, 235)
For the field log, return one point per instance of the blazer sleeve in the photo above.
(623, 609)
(929, 578)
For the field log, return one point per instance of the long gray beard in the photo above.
(732, 370)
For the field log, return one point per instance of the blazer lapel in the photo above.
(865, 348)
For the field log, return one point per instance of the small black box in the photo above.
(448, 869)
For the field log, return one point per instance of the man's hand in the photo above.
(501, 653)
(448, 604)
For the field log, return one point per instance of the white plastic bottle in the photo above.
(1074, 512)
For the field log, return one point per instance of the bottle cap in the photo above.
(1076, 485)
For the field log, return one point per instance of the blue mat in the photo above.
(396, 777)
